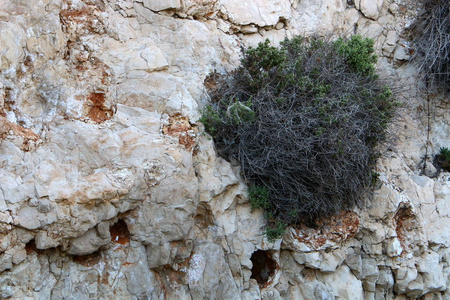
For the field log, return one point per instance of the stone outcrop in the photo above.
(110, 189)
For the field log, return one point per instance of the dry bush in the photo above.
(303, 121)
(431, 40)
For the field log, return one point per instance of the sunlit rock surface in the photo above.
(110, 189)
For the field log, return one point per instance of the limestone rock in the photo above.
(369, 274)
(110, 189)
(403, 277)
(343, 283)
(433, 278)
(394, 248)
(87, 243)
(390, 42)
(207, 271)
(401, 53)
(370, 9)
(326, 262)
(201, 8)
(254, 12)
(12, 41)
(157, 5)
(354, 262)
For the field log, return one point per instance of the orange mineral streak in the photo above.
(98, 112)
(180, 127)
(85, 19)
(10, 129)
(336, 229)
(405, 223)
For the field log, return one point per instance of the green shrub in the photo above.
(259, 197)
(303, 121)
(431, 42)
(442, 160)
(375, 177)
(358, 53)
(275, 231)
(210, 118)
(445, 153)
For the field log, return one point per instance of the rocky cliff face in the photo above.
(109, 188)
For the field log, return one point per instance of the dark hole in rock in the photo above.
(120, 233)
(264, 266)
(30, 247)
(88, 260)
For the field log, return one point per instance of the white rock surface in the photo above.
(256, 11)
(370, 8)
(109, 189)
(157, 5)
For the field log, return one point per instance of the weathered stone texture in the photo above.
(110, 189)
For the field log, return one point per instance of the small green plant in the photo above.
(443, 159)
(239, 113)
(445, 152)
(259, 197)
(275, 231)
(211, 119)
(264, 56)
(375, 177)
(358, 53)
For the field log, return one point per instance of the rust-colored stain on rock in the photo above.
(27, 135)
(174, 276)
(337, 229)
(98, 112)
(84, 20)
(180, 127)
(405, 222)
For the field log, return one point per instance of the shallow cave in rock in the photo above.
(405, 225)
(264, 266)
(120, 233)
(30, 247)
(88, 260)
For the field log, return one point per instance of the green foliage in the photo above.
(239, 113)
(211, 119)
(304, 122)
(359, 53)
(445, 153)
(443, 159)
(264, 56)
(375, 177)
(259, 197)
(275, 231)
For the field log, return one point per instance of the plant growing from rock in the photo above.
(431, 40)
(259, 197)
(442, 160)
(303, 121)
